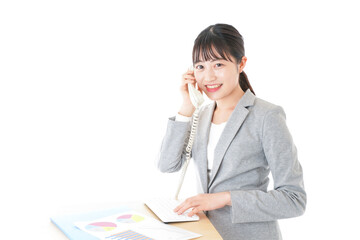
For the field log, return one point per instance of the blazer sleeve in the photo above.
(288, 198)
(172, 152)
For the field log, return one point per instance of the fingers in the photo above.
(178, 207)
(189, 79)
(181, 208)
(189, 75)
(188, 203)
(193, 212)
(203, 202)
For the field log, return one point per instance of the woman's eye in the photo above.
(219, 64)
(199, 67)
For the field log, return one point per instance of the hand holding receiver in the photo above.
(196, 97)
(192, 97)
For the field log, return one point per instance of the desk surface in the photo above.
(203, 226)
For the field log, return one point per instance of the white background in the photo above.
(87, 87)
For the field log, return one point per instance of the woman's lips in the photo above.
(213, 89)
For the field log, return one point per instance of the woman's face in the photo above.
(218, 78)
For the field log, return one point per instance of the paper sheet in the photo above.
(131, 225)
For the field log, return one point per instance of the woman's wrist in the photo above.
(228, 198)
(187, 110)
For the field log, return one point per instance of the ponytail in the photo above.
(244, 82)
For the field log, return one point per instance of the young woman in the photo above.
(240, 138)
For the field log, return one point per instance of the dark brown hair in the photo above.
(227, 41)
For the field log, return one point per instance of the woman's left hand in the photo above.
(204, 202)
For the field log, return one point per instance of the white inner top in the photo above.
(214, 135)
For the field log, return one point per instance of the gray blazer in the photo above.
(254, 142)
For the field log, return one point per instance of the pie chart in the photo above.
(130, 218)
(101, 226)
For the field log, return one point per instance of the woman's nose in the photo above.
(209, 75)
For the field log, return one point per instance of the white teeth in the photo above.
(214, 86)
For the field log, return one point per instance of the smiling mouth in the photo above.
(213, 86)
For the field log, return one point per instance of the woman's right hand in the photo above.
(187, 108)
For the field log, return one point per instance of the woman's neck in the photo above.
(229, 102)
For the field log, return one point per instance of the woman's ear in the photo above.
(242, 64)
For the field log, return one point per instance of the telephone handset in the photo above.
(197, 100)
(196, 97)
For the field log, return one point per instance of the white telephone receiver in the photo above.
(196, 97)
(197, 100)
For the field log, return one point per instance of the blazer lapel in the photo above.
(232, 126)
(202, 135)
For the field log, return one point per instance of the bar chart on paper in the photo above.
(128, 235)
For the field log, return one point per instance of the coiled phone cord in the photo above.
(188, 150)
